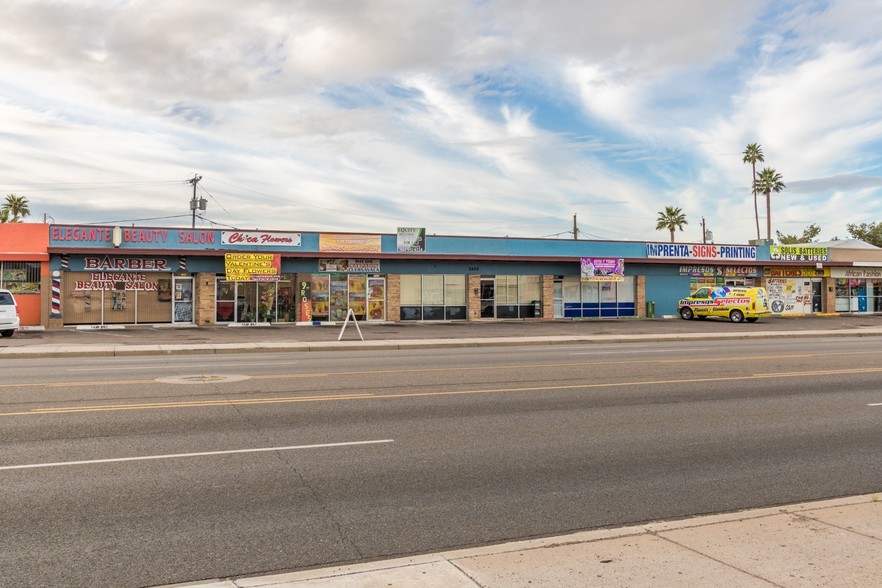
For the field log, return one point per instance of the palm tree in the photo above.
(768, 181)
(753, 153)
(672, 218)
(15, 208)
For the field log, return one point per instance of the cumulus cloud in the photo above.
(480, 117)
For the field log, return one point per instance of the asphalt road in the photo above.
(144, 471)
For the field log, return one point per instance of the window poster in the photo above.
(376, 288)
(320, 293)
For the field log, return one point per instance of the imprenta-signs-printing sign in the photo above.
(710, 252)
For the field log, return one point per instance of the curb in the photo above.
(122, 350)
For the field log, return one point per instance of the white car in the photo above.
(9, 321)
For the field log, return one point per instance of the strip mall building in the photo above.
(67, 275)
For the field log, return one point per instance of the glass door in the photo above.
(225, 307)
(488, 297)
(558, 299)
(376, 299)
(246, 302)
(874, 292)
(339, 297)
(266, 302)
(182, 287)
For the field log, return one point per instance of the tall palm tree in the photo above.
(15, 208)
(753, 153)
(672, 218)
(768, 181)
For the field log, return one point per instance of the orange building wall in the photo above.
(28, 242)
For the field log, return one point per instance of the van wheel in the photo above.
(736, 316)
(686, 313)
(8, 333)
(752, 319)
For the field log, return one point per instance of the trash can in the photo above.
(537, 308)
(650, 309)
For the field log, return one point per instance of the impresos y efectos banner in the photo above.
(252, 267)
(602, 269)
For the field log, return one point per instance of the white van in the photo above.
(9, 321)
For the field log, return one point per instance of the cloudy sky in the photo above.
(467, 117)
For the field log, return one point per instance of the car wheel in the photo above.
(752, 319)
(736, 316)
(8, 333)
(686, 313)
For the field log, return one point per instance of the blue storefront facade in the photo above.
(146, 275)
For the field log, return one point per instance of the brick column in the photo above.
(828, 296)
(393, 297)
(547, 298)
(205, 295)
(640, 296)
(473, 296)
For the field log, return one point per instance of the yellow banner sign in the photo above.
(252, 267)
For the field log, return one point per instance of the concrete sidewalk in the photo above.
(164, 340)
(832, 543)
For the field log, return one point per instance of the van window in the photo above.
(6, 299)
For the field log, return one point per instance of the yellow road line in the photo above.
(741, 358)
(332, 397)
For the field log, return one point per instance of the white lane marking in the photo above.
(150, 366)
(875, 404)
(199, 454)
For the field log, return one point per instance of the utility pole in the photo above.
(195, 203)
(703, 232)
(575, 228)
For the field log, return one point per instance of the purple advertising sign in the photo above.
(602, 269)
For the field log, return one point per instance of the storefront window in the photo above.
(20, 277)
(358, 296)
(598, 299)
(608, 292)
(455, 290)
(376, 298)
(333, 295)
(506, 290)
(411, 290)
(529, 289)
(855, 295)
(874, 295)
(321, 298)
(590, 291)
(515, 296)
(116, 298)
(433, 297)
(255, 302)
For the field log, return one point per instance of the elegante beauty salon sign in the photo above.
(132, 237)
(117, 281)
